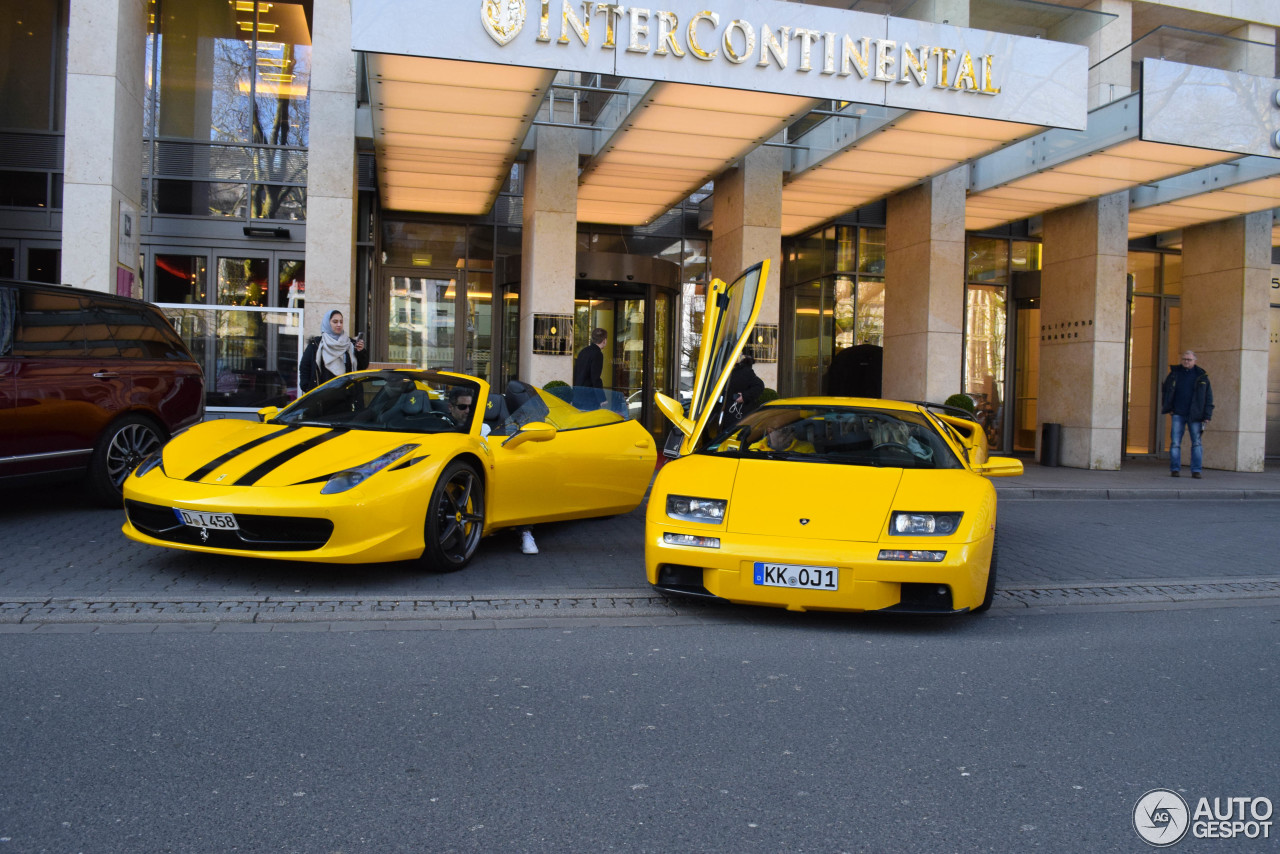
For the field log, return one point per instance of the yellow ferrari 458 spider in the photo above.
(820, 503)
(389, 465)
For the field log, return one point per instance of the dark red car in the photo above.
(90, 383)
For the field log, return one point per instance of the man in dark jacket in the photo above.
(588, 389)
(741, 391)
(1188, 397)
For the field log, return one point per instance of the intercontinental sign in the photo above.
(755, 45)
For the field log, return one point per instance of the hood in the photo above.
(840, 502)
(248, 453)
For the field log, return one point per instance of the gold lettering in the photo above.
(966, 78)
(828, 53)
(944, 67)
(748, 38)
(885, 59)
(806, 38)
(611, 11)
(543, 21)
(915, 66)
(569, 21)
(851, 59)
(988, 88)
(694, 47)
(667, 23)
(638, 30)
(779, 46)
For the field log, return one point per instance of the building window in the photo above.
(227, 113)
(836, 301)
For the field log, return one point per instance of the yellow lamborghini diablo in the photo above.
(820, 503)
(388, 465)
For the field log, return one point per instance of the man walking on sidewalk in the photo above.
(1189, 399)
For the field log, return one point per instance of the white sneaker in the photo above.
(527, 545)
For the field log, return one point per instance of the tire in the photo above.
(126, 442)
(990, 595)
(455, 519)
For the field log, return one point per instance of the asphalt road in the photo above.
(802, 733)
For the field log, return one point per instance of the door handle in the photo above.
(106, 375)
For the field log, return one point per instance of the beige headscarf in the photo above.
(333, 349)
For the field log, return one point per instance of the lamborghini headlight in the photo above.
(904, 524)
(689, 509)
(351, 478)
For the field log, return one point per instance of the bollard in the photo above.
(1050, 444)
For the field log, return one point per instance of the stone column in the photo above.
(331, 170)
(549, 253)
(747, 228)
(1226, 285)
(1111, 79)
(1083, 298)
(924, 290)
(102, 182)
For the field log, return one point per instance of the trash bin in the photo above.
(1050, 444)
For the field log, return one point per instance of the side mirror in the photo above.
(534, 431)
(999, 467)
(266, 413)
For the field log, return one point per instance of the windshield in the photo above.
(399, 401)
(837, 434)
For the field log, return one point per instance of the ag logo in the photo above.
(502, 18)
(1160, 817)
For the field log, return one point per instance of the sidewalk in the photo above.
(1138, 478)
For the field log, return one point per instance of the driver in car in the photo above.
(782, 437)
(460, 401)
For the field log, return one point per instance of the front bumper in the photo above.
(954, 585)
(282, 523)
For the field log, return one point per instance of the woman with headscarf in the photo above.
(330, 354)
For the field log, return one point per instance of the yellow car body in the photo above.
(344, 475)
(871, 505)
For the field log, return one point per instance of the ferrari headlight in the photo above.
(149, 464)
(351, 478)
(903, 524)
(689, 509)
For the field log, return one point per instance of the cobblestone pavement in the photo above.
(66, 566)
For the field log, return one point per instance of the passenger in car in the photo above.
(782, 437)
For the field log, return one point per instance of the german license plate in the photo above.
(200, 519)
(792, 575)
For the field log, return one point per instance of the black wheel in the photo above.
(990, 595)
(455, 518)
(124, 444)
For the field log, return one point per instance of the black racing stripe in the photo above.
(284, 456)
(206, 469)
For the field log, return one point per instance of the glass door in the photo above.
(1026, 374)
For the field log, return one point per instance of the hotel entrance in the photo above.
(634, 299)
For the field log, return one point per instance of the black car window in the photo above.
(50, 325)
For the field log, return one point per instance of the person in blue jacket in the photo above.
(1187, 397)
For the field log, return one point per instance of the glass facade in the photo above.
(834, 297)
(227, 113)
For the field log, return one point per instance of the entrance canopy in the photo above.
(666, 99)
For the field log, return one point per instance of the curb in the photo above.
(612, 608)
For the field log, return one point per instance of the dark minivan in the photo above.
(90, 383)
